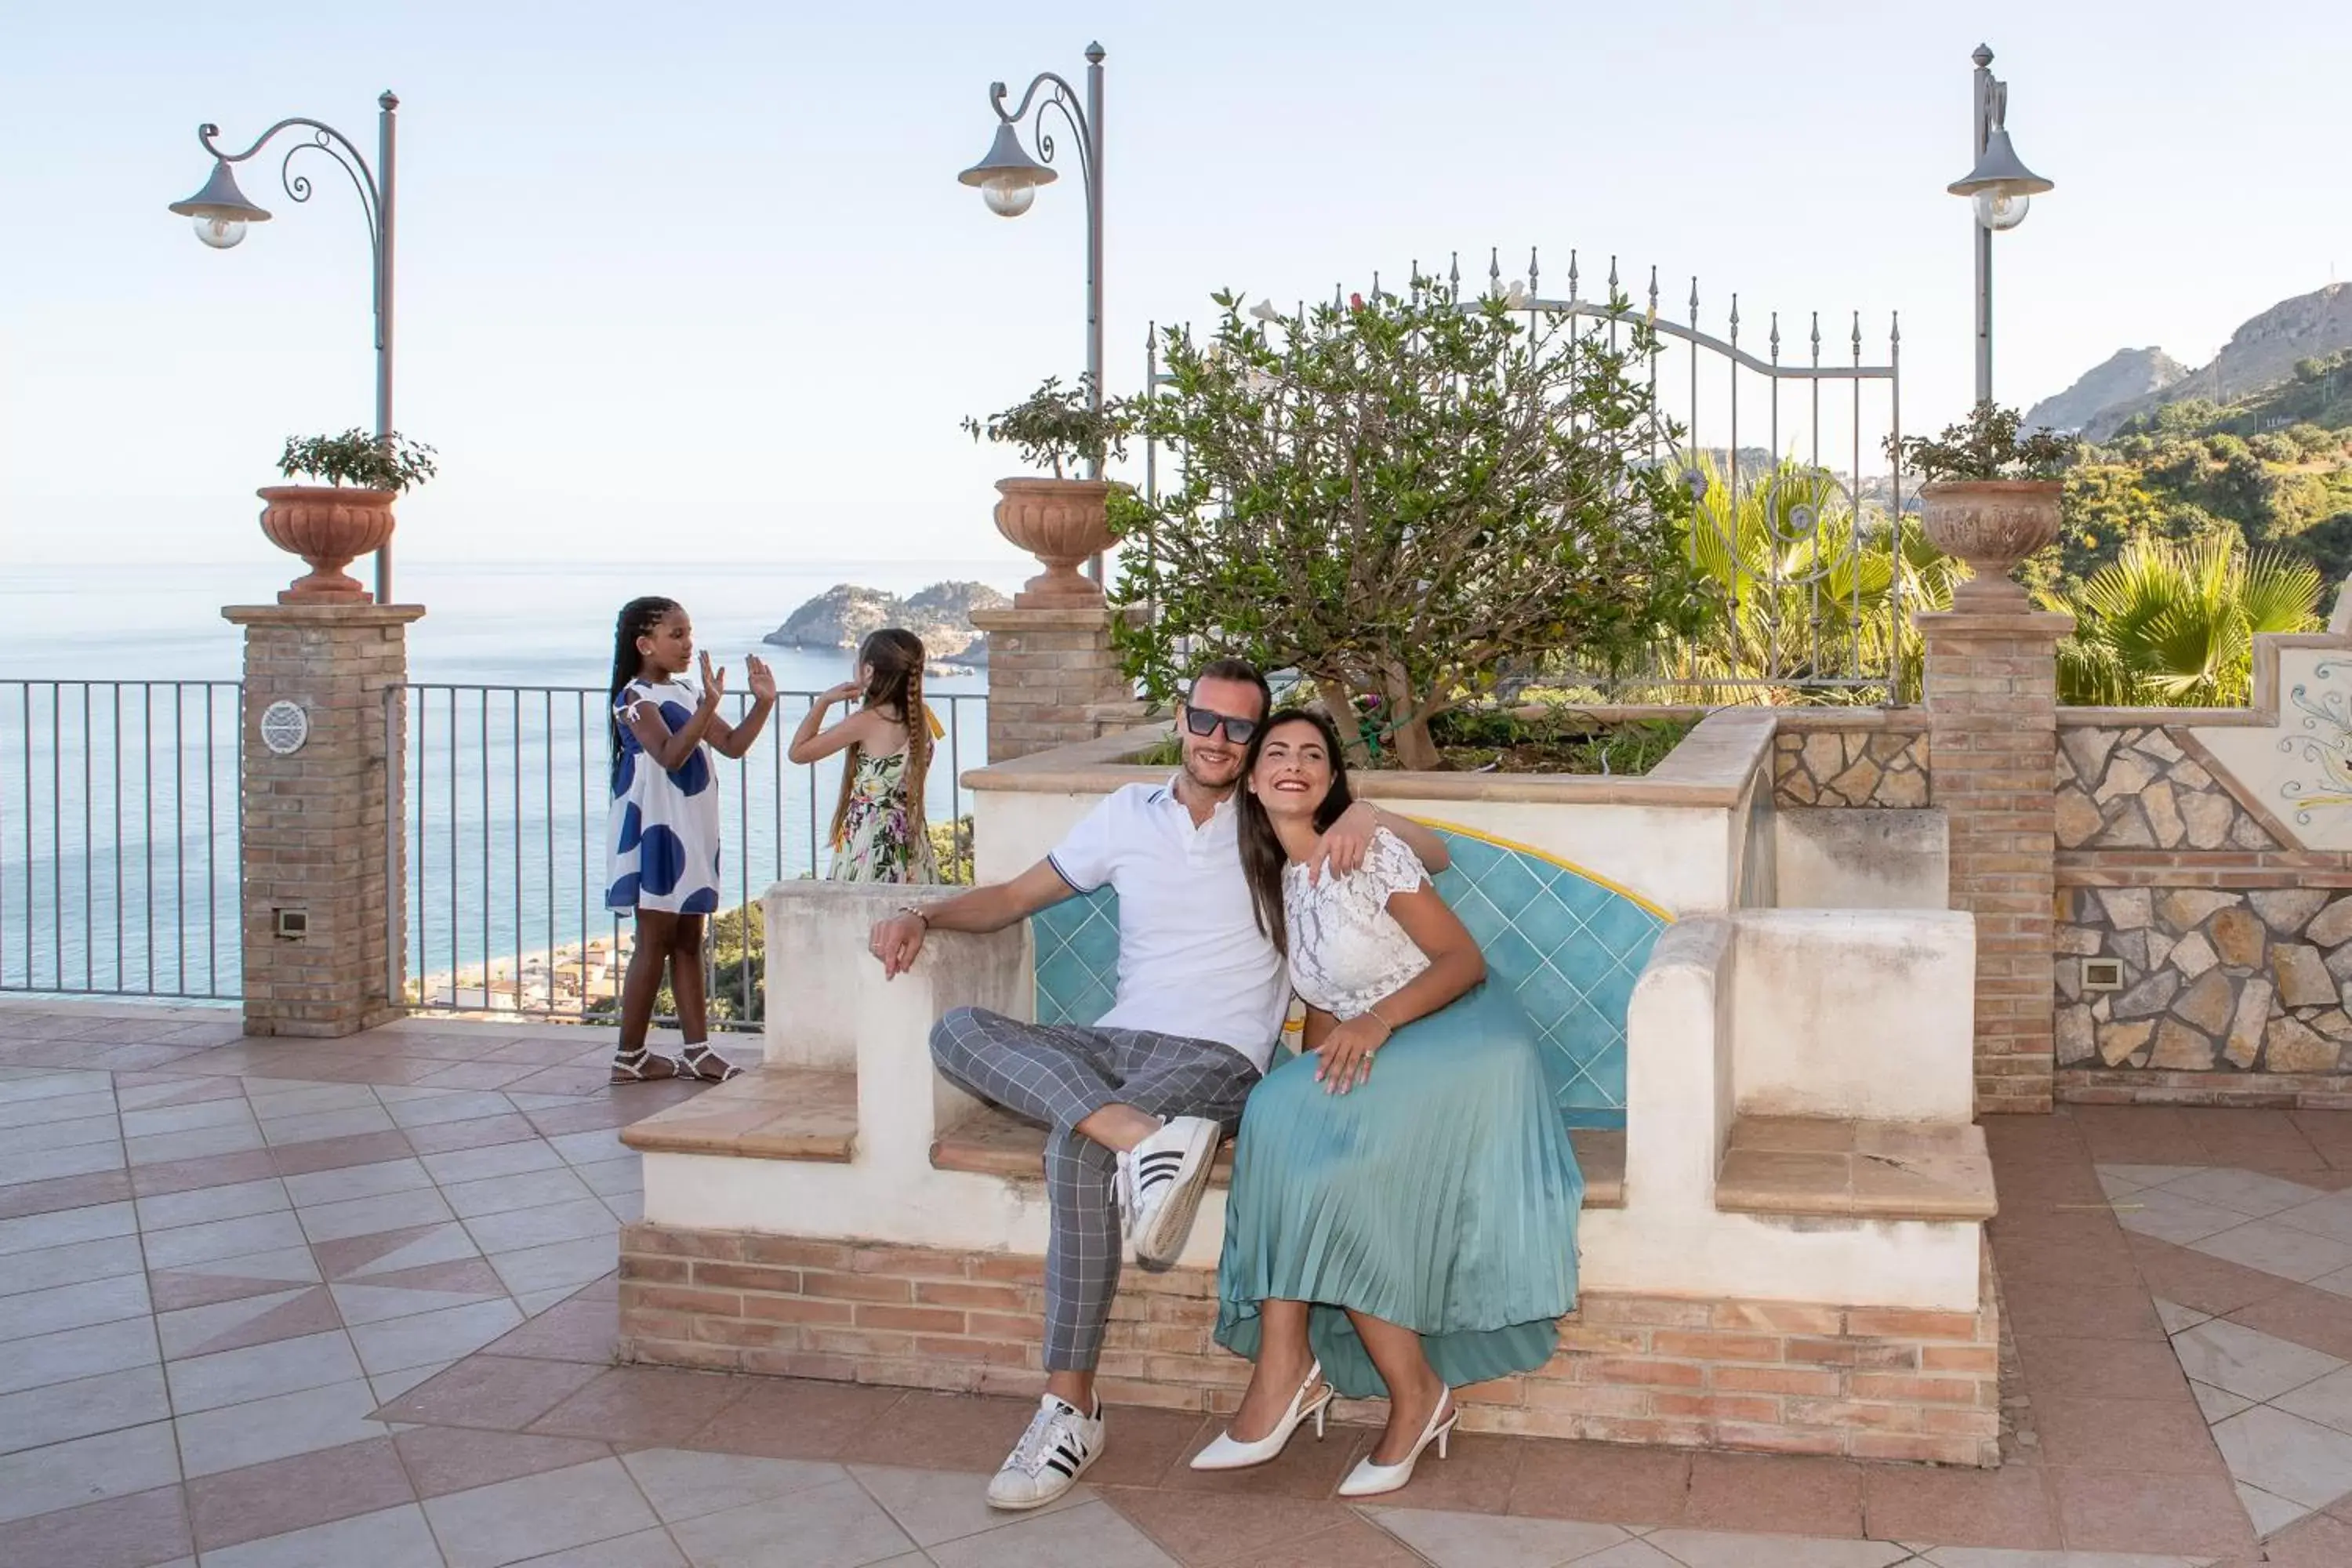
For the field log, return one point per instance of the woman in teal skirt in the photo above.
(1393, 1232)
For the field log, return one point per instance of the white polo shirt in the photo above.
(1192, 961)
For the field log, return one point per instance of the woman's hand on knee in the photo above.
(1344, 1059)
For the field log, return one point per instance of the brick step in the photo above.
(1778, 1376)
(768, 1113)
(1864, 1170)
(994, 1144)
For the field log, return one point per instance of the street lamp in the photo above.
(2001, 189)
(1008, 179)
(221, 213)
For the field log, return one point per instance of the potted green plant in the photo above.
(349, 515)
(1989, 495)
(1062, 521)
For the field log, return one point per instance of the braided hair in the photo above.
(638, 617)
(894, 659)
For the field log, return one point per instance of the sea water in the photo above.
(494, 623)
(118, 854)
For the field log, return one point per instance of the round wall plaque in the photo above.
(284, 728)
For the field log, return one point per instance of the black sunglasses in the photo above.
(1202, 722)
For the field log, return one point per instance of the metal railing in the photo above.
(505, 816)
(119, 811)
(121, 815)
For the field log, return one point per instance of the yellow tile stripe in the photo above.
(1595, 877)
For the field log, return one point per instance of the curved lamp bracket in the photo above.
(1064, 99)
(320, 138)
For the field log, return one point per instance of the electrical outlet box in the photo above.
(292, 925)
(2103, 974)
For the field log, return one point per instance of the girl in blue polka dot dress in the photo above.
(664, 830)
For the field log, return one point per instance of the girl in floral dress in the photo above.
(878, 831)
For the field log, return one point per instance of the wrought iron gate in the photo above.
(1799, 529)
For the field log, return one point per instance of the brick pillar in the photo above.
(1992, 725)
(317, 843)
(1053, 678)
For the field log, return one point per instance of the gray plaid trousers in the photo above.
(1060, 1074)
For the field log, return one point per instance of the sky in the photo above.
(696, 281)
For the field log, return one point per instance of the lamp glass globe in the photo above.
(1008, 196)
(2000, 210)
(220, 233)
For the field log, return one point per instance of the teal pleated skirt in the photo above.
(1441, 1195)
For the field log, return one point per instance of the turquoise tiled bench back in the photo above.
(1078, 958)
(1568, 946)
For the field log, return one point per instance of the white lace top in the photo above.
(1347, 951)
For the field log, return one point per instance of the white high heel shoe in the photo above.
(1368, 1479)
(1226, 1452)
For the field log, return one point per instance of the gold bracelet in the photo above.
(1374, 1010)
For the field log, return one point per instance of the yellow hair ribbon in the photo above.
(938, 731)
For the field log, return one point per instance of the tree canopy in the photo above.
(1398, 497)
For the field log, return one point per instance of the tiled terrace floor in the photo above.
(277, 1305)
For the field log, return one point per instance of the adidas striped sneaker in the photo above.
(1050, 1458)
(1166, 1175)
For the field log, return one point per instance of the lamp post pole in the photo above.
(1008, 179)
(2000, 189)
(221, 212)
(387, 107)
(1094, 134)
(1983, 96)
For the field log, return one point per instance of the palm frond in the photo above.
(2172, 624)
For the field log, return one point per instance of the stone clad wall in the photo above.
(2233, 946)
(2212, 980)
(2147, 787)
(1866, 760)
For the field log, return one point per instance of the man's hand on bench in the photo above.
(897, 942)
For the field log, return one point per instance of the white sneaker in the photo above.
(1169, 1172)
(1050, 1458)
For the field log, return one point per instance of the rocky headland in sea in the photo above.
(845, 614)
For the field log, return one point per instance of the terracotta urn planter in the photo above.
(1991, 524)
(1064, 523)
(328, 526)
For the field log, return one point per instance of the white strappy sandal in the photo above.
(1226, 1452)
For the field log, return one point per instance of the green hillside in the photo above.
(2272, 470)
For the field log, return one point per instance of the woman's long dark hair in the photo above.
(638, 617)
(1262, 857)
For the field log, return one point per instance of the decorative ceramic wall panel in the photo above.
(2299, 770)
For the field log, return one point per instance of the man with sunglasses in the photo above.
(1139, 1103)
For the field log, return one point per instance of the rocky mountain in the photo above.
(2131, 374)
(845, 614)
(2263, 352)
